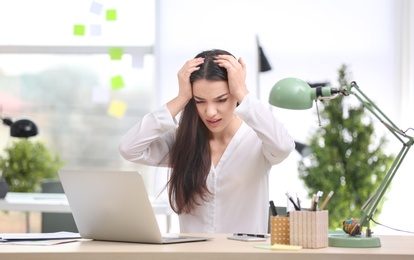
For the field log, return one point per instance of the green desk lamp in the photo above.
(294, 93)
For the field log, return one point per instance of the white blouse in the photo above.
(239, 185)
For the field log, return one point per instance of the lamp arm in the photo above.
(370, 105)
(371, 205)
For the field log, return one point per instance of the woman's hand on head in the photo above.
(236, 72)
(184, 77)
(185, 93)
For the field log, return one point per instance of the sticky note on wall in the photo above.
(116, 53)
(137, 61)
(95, 30)
(117, 109)
(117, 82)
(79, 30)
(111, 15)
(96, 8)
(100, 94)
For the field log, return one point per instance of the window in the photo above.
(65, 82)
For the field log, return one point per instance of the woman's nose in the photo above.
(211, 110)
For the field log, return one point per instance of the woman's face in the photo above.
(215, 104)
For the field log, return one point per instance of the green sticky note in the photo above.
(116, 53)
(79, 30)
(117, 82)
(111, 15)
(117, 109)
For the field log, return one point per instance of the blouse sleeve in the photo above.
(277, 143)
(150, 140)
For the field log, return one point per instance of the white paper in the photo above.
(40, 242)
(39, 236)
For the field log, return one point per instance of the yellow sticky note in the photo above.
(117, 109)
(285, 247)
(79, 30)
(116, 53)
(117, 82)
(111, 15)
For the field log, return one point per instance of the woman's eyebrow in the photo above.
(195, 97)
(219, 97)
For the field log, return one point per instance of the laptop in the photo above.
(114, 206)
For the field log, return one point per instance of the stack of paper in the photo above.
(39, 238)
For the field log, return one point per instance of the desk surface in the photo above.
(393, 247)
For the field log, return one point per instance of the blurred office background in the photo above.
(62, 81)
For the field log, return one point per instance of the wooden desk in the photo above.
(57, 203)
(393, 247)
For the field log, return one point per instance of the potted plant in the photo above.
(27, 163)
(347, 157)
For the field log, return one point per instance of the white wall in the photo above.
(301, 38)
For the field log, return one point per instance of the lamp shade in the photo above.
(263, 62)
(303, 149)
(23, 128)
(294, 93)
(291, 93)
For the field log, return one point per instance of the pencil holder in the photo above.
(279, 230)
(309, 229)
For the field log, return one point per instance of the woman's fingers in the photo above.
(236, 72)
(184, 76)
(227, 61)
(189, 67)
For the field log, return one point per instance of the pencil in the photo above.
(326, 200)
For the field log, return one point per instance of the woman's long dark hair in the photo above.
(190, 158)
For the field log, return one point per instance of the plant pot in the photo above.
(4, 188)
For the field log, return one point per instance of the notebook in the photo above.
(114, 206)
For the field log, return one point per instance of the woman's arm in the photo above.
(277, 143)
(149, 141)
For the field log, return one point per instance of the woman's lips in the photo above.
(214, 123)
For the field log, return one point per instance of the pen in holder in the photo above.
(279, 230)
(309, 229)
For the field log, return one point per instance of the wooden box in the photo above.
(309, 229)
(279, 230)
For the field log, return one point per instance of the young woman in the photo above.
(221, 152)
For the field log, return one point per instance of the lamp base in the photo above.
(345, 240)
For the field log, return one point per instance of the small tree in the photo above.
(346, 157)
(26, 164)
